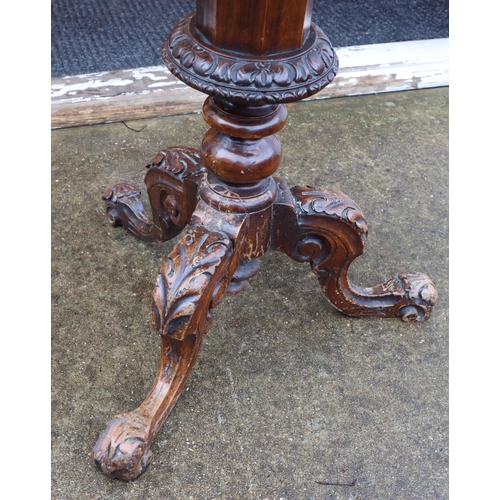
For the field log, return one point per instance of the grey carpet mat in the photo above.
(91, 35)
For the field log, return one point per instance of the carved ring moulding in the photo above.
(286, 78)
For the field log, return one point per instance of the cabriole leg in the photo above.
(191, 284)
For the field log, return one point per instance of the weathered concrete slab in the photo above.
(287, 393)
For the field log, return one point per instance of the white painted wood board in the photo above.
(153, 91)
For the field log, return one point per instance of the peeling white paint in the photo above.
(388, 53)
(59, 90)
(138, 74)
(161, 84)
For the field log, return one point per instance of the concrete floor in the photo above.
(287, 393)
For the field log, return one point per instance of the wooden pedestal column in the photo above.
(250, 58)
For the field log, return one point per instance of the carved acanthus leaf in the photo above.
(312, 200)
(183, 281)
(180, 161)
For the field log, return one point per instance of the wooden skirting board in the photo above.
(133, 94)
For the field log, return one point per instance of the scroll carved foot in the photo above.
(327, 229)
(122, 450)
(192, 282)
(172, 181)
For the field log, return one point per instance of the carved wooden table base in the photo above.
(236, 211)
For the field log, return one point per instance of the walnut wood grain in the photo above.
(267, 31)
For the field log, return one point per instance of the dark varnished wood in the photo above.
(219, 72)
(327, 229)
(268, 54)
(172, 182)
(256, 28)
(239, 148)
